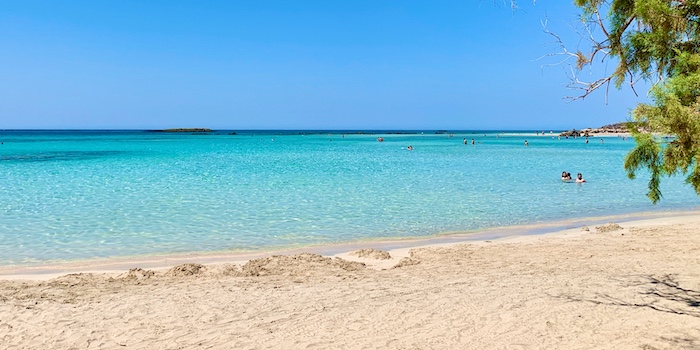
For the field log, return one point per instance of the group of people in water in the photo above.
(567, 177)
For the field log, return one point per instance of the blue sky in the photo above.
(465, 64)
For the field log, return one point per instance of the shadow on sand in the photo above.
(663, 294)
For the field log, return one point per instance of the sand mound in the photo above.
(137, 274)
(185, 270)
(301, 264)
(609, 227)
(406, 262)
(371, 253)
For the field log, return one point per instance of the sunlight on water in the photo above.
(78, 195)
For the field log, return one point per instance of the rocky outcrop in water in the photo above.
(616, 128)
(571, 133)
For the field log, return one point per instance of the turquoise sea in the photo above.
(73, 195)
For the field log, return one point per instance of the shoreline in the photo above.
(397, 246)
(632, 285)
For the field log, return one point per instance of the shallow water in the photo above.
(71, 195)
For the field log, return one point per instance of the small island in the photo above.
(183, 130)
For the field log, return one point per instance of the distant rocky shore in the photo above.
(617, 128)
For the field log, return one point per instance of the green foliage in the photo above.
(676, 112)
(646, 154)
(657, 40)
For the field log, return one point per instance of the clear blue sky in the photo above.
(393, 64)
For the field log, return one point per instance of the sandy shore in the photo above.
(631, 287)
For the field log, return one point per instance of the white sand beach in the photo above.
(636, 286)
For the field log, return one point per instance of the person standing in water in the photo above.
(579, 178)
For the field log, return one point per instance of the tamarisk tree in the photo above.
(657, 41)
